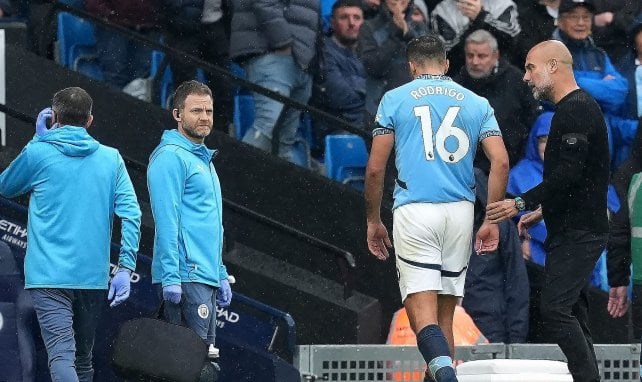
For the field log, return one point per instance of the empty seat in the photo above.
(346, 158)
(75, 37)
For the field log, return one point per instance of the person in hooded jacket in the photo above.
(76, 186)
(187, 206)
(492, 77)
(528, 173)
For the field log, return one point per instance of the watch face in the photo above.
(520, 204)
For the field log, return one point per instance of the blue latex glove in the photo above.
(119, 287)
(224, 294)
(172, 293)
(41, 123)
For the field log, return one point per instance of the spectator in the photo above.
(382, 47)
(592, 66)
(492, 77)
(527, 174)
(538, 20)
(185, 197)
(200, 28)
(611, 22)
(496, 291)
(630, 67)
(67, 264)
(370, 8)
(419, 12)
(454, 20)
(344, 77)
(276, 43)
(122, 59)
(595, 73)
(624, 246)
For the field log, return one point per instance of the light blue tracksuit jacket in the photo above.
(76, 186)
(185, 196)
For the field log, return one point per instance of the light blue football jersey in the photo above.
(437, 125)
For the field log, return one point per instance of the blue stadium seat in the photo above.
(165, 80)
(346, 158)
(75, 37)
(243, 114)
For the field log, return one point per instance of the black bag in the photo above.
(152, 349)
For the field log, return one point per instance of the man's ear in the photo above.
(90, 120)
(446, 66)
(176, 114)
(412, 69)
(553, 65)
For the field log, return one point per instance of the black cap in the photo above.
(569, 5)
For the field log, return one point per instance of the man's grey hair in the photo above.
(482, 36)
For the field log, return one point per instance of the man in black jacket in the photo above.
(572, 200)
(492, 77)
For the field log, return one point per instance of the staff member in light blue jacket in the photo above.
(185, 196)
(76, 186)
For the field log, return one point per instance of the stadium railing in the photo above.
(405, 363)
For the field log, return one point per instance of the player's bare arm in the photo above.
(378, 239)
(488, 234)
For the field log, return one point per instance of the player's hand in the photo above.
(469, 8)
(487, 238)
(497, 212)
(378, 240)
(618, 301)
(527, 221)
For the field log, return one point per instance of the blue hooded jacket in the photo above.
(527, 174)
(185, 195)
(76, 185)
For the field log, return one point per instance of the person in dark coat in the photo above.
(492, 77)
(382, 48)
(496, 290)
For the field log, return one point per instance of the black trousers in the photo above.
(571, 258)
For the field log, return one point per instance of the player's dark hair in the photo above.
(345, 3)
(187, 88)
(425, 49)
(72, 106)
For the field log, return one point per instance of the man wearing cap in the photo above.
(595, 73)
(593, 68)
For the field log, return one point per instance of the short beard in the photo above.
(348, 42)
(192, 132)
(478, 76)
(545, 93)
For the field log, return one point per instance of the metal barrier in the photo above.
(616, 362)
(376, 362)
(404, 363)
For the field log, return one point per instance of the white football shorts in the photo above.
(433, 242)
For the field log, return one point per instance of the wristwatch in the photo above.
(520, 204)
